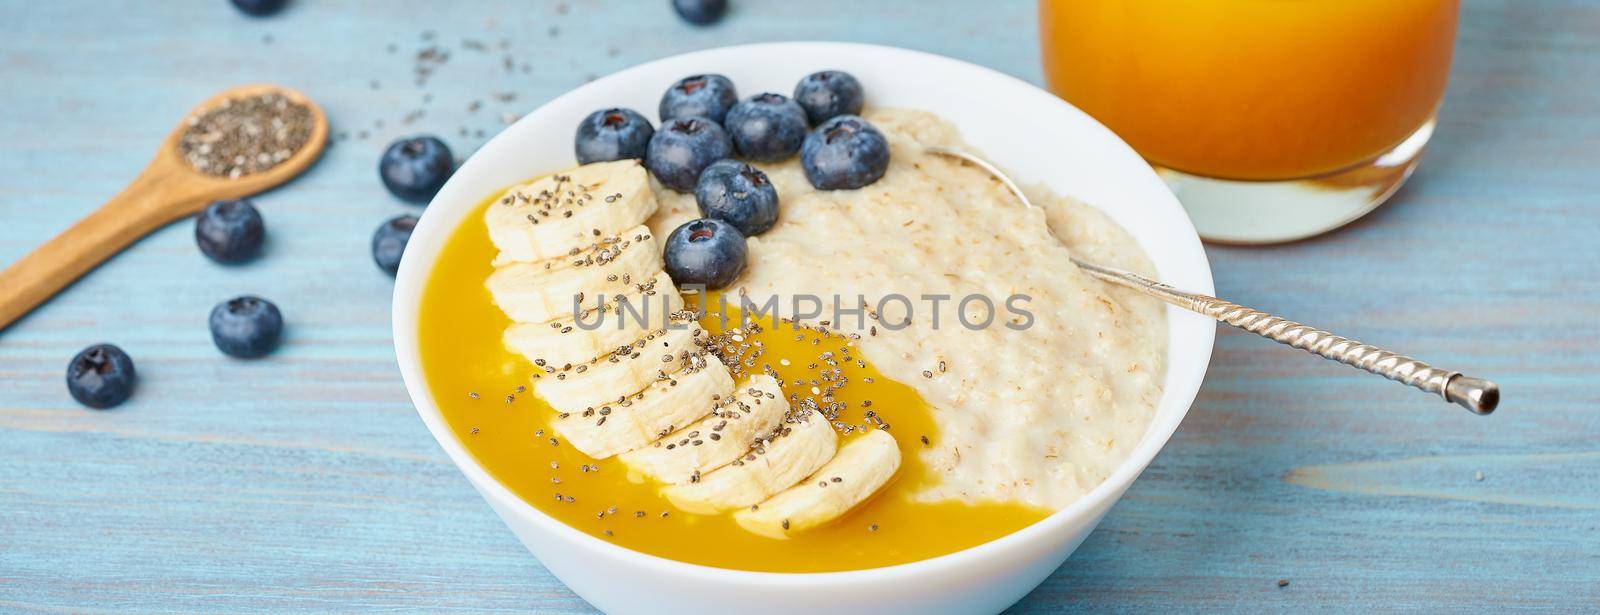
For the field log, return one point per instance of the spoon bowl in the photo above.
(167, 190)
(170, 163)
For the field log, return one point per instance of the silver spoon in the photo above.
(1475, 394)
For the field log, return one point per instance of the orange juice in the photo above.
(1252, 89)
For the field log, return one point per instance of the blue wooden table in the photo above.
(306, 482)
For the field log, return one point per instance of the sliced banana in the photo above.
(575, 243)
(641, 418)
(769, 467)
(550, 290)
(548, 217)
(649, 306)
(623, 371)
(862, 466)
(722, 436)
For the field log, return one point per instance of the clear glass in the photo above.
(1272, 120)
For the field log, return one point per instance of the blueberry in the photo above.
(101, 376)
(844, 153)
(708, 96)
(246, 327)
(827, 94)
(414, 169)
(700, 12)
(705, 251)
(612, 134)
(766, 127)
(738, 194)
(389, 242)
(259, 8)
(229, 231)
(683, 148)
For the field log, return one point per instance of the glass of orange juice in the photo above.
(1272, 120)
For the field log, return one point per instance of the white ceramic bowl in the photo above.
(1033, 134)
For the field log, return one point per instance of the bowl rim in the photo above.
(412, 278)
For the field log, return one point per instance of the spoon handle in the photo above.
(1475, 394)
(124, 218)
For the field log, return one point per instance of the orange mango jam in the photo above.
(475, 382)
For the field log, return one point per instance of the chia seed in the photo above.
(244, 136)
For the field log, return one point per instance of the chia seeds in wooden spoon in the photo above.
(246, 135)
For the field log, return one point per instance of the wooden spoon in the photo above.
(168, 190)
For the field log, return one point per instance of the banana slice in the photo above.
(862, 466)
(767, 468)
(638, 419)
(548, 290)
(623, 371)
(559, 342)
(550, 216)
(752, 411)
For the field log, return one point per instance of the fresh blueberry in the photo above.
(101, 376)
(700, 12)
(612, 134)
(827, 94)
(708, 96)
(683, 148)
(414, 169)
(246, 327)
(705, 251)
(766, 127)
(259, 8)
(389, 242)
(229, 231)
(844, 153)
(738, 194)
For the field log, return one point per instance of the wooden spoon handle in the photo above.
(145, 205)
